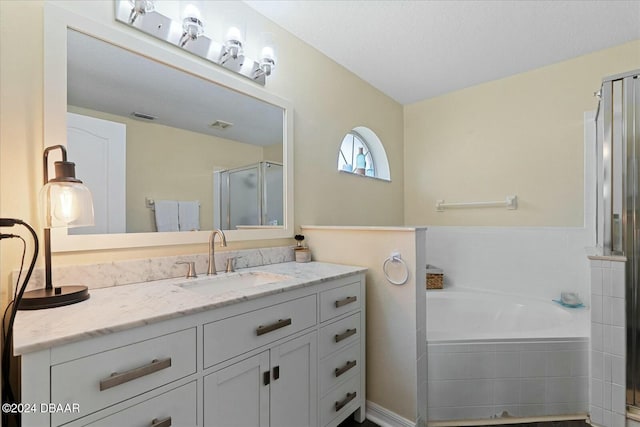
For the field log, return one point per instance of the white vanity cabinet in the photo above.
(295, 358)
(277, 387)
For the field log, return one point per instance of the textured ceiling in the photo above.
(413, 50)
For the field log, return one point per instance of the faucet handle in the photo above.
(192, 268)
(230, 261)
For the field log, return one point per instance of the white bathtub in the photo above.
(459, 314)
(493, 355)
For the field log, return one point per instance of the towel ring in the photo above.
(395, 257)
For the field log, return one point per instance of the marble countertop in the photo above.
(119, 308)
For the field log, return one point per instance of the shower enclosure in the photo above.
(248, 196)
(618, 201)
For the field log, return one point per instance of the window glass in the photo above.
(355, 156)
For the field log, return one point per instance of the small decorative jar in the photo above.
(303, 255)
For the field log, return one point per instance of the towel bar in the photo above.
(510, 202)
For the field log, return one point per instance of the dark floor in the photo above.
(351, 423)
(552, 424)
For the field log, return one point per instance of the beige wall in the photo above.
(328, 101)
(394, 317)
(170, 163)
(272, 153)
(21, 106)
(519, 135)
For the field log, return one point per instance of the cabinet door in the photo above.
(294, 383)
(237, 396)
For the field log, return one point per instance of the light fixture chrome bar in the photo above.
(164, 28)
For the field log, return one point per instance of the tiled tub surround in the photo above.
(608, 379)
(146, 270)
(500, 363)
(545, 260)
(483, 379)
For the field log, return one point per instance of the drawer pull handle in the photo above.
(341, 404)
(161, 423)
(347, 300)
(346, 334)
(124, 377)
(261, 330)
(345, 368)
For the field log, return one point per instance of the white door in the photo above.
(98, 148)
(238, 396)
(294, 383)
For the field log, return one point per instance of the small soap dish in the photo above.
(564, 304)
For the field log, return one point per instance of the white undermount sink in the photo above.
(225, 282)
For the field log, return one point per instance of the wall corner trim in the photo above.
(385, 418)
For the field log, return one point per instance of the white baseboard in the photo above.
(385, 418)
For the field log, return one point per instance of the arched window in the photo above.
(361, 153)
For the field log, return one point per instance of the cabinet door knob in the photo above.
(161, 423)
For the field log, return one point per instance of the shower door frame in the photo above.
(618, 146)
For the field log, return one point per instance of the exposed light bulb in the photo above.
(267, 60)
(191, 23)
(65, 207)
(233, 35)
(232, 44)
(191, 11)
(268, 53)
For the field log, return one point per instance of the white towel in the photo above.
(189, 215)
(166, 215)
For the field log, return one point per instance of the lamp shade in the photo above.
(65, 201)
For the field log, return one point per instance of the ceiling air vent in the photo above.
(220, 125)
(143, 116)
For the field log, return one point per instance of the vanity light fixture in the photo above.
(64, 202)
(268, 62)
(267, 56)
(188, 34)
(139, 7)
(192, 25)
(232, 46)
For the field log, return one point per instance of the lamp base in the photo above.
(55, 297)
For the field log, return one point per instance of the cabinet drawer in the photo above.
(339, 367)
(97, 381)
(233, 336)
(335, 302)
(341, 401)
(173, 408)
(339, 334)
